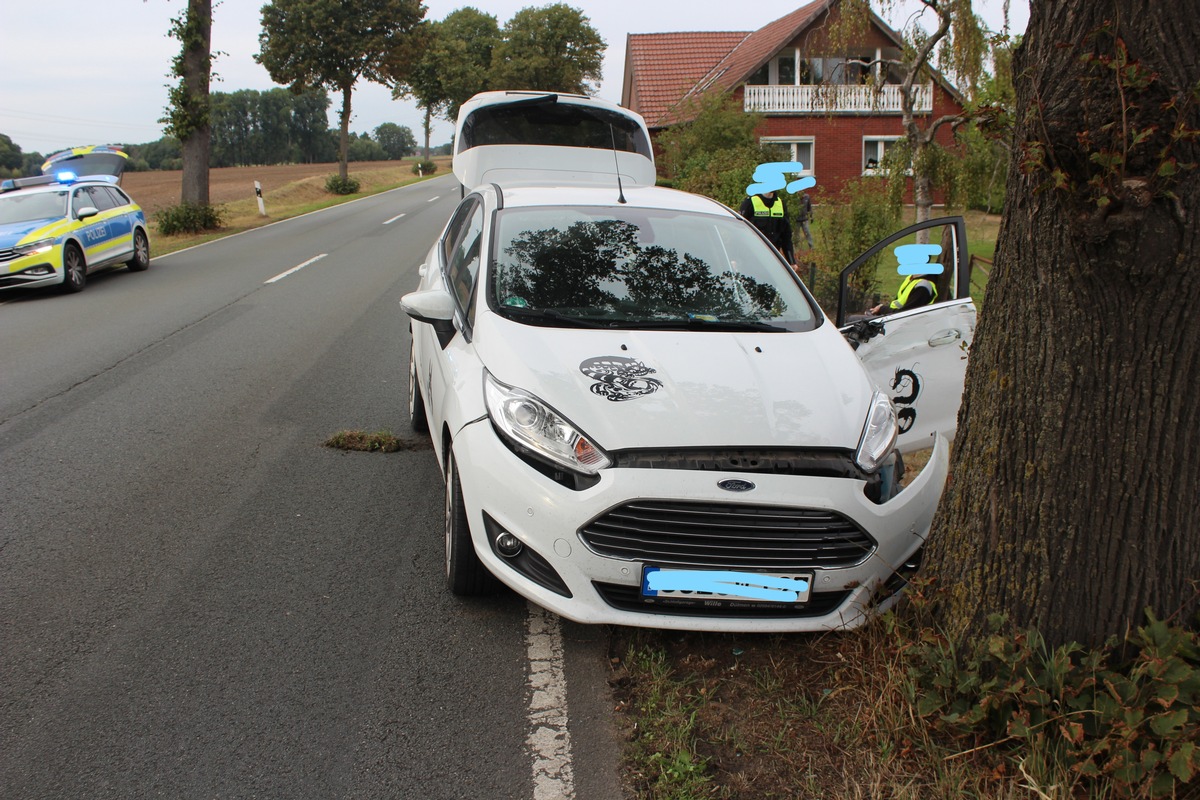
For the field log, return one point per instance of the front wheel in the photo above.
(416, 403)
(466, 575)
(141, 253)
(74, 269)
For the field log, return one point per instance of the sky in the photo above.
(116, 91)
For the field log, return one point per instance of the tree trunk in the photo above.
(197, 70)
(344, 134)
(428, 127)
(1075, 475)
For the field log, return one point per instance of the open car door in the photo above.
(917, 356)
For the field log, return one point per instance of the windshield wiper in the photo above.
(553, 318)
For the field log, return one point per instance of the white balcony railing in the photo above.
(833, 99)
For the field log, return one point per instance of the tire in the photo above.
(416, 403)
(74, 269)
(466, 576)
(141, 252)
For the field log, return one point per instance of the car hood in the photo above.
(671, 389)
(13, 232)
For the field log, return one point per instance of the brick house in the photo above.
(817, 103)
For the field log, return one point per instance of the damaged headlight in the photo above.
(532, 424)
(879, 433)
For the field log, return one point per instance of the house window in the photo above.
(787, 69)
(762, 77)
(795, 149)
(874, 149)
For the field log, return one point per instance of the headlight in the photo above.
(33, 248)
(531, 423)
(879, 434)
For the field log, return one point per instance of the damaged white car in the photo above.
(642, 416)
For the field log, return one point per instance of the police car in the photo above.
(69, 222)
(641, 415)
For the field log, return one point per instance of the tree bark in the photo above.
(197, 71)
(1076, 473)
(344, 134)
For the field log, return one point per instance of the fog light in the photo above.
(508, 545)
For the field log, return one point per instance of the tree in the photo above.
(1075, 477)
(397, 141)
(455, 62)
(958, 45)
(10, 157)
(188, 113)
(332, 44)
(553, 48)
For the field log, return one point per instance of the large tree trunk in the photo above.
(1076, 475)
(344, 134)
(197, 70)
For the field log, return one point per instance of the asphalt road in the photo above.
(197, 599)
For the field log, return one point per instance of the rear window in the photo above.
(545, 121)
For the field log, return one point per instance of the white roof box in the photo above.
(547, 139)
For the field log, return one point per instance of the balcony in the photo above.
(833, 99)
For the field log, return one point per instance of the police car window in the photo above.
(117, 196)
(81, 199)
(28, 207)
(100, 198)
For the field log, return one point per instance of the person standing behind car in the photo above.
(803, 215)
(768, 213)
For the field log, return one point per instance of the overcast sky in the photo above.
(76, 72)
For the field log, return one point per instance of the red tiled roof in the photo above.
(660, 68)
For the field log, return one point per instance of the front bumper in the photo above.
(39, 269)
(501, 492)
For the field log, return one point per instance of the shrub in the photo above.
(424, 168)
(850, 223)
(336, 184)
(189, 218)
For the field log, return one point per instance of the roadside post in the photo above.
(258, 193)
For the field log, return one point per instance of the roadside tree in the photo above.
(328, 43)
(553, 48)
(397, 141)
(1074, 478)
(188, 117)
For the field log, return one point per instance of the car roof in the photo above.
(49, 183)
(652, 197)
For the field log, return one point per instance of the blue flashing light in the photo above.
(66, 177)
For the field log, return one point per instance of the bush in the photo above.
(189, 218)
(424, 168)
(336, 184)
(851, 222)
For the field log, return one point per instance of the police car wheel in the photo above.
(74, 269)
(141, 253)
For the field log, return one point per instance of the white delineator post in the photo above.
(258, 193)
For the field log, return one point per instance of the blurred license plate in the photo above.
(761, 587)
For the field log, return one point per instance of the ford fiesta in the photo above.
(642, 416)
(71, 221)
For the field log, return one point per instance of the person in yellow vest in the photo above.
(768, 213)
(915, 291)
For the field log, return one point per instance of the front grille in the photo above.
(7, 254)
(629, 598)
(769, 538)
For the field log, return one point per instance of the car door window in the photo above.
(100, 198)
(80, 200)
(462, 265)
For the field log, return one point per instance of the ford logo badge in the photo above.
(735, 485)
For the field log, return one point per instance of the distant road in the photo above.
(197, 599)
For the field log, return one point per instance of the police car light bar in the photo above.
(12, 184)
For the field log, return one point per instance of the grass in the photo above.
(293, 200)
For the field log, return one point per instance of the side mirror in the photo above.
(86, 211)
(433, 307)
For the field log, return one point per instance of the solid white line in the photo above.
(297, 268)
(549, 740)
(435, 197)
(393, 219)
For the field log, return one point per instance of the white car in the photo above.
(642, 416)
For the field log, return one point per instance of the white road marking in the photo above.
(549, 740)
(393, 219)
(435, 197)
(297, 268)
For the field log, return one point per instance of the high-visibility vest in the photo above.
(912, 282)
(761, 210)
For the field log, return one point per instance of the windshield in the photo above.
(33, 206)
(641, 268)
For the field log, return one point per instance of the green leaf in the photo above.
(1182, 762)
(1169, 723)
